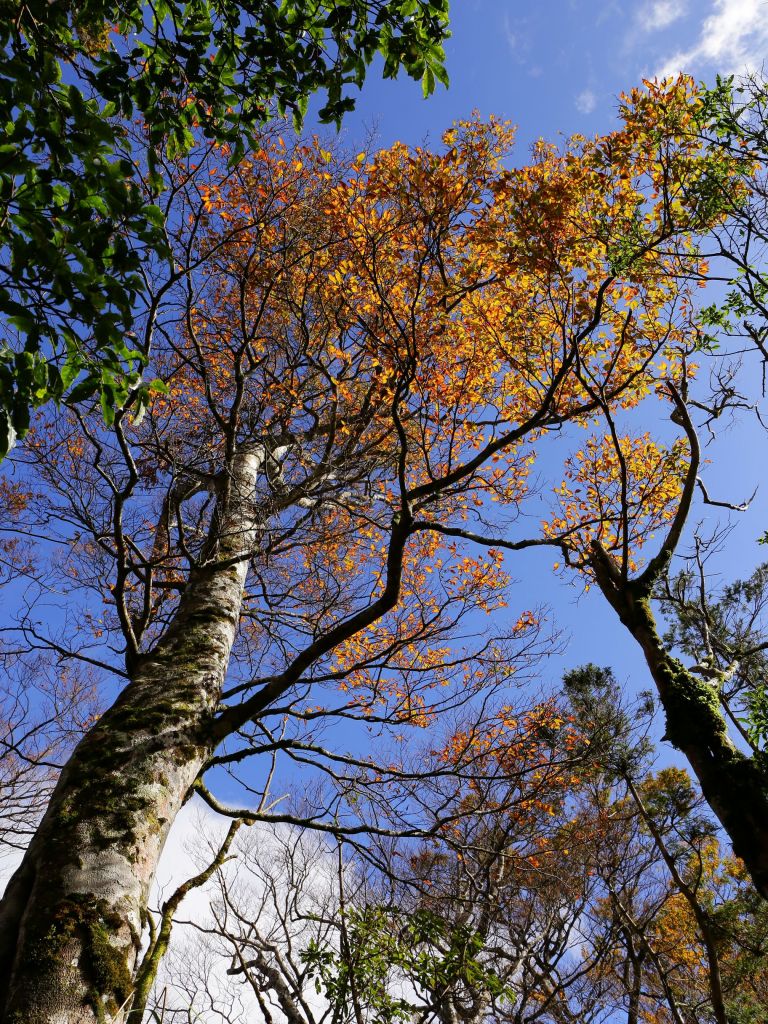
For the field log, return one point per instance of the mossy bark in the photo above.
(72, 916)
(734, 785)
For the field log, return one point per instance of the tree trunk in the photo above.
(635, 987)
(73, 914)
(734, 785)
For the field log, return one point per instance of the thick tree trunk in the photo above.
(72, 917)
(734, 785)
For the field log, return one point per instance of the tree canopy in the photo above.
(382, 375)
(77, 223)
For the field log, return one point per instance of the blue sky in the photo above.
(558, 65)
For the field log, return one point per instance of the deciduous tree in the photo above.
(362, 359)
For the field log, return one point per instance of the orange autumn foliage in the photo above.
(400, 317)
(617, 488)
(400, 333)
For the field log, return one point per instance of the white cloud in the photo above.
(282, 878)
(517, 34)
(733, 38)
(9, 860)
(513, 39)
(660, 14)
(607, 10)
(586, 101)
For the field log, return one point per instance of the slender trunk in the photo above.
(702, 918)
(635, 987)
(73, 914)
(634, 930)
(734, 785)
(277, 981)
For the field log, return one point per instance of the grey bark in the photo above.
(73, 914)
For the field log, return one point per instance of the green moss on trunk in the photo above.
(92, 924)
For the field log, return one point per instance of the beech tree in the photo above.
(361, 359)
(694, 698)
